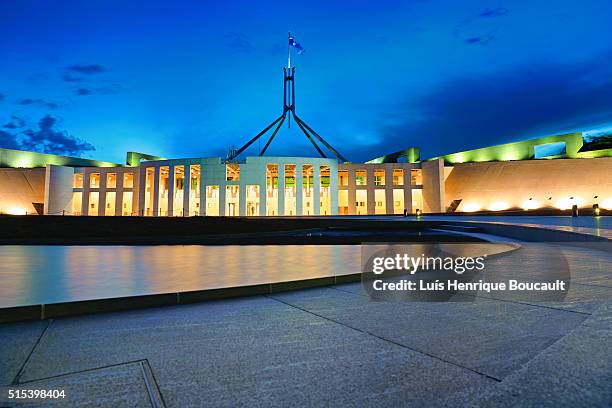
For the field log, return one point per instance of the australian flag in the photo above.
(296, 45)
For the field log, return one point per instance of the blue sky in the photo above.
(189, 79)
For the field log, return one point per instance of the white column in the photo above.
(119, 195)
(281, 188)
(186, 189)
(298, 188)
(156, 174)
(102, 194)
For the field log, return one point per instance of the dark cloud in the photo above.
(104, 90)
(8, 141)
(38, 102)
(45, 138)
(496, 12)
(89, 69)
(483, 110)
(480, 29)
(480, 40)
(238, 42)
(71, 78)
(14, 123)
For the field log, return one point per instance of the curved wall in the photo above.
(549, 183)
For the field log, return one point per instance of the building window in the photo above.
(78, 181)
(232, 201)
(232, 172)
(149, 181)
(416, 177)
(194, 190)
(361, 201)
(379, 177)
(111, 198)
(128, 180)
(252, 200)
(290, 190)
(94, 180)
(307, 189)
(325, 191)
(93, 203)
(271, 189)
(380, 198)
(111, 180)
(77, 202)
(361, 177)
(398, 177)
(212, 200)
(179, 187)
(343, 206)
(398, 201)
(164, 173)
(343, 177)
(128, 197)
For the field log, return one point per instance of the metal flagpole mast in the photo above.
(289, 51)
(288, 111)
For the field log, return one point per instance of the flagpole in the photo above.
(289, 51)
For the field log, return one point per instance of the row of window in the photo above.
(416, 177)
(233, 174)
(111, 180)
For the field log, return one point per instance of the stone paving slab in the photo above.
(117, 386)
(576, 371)
(16, 343)
(256, 352)
(329, 346)
(488, 336)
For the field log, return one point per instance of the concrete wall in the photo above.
(433, 187)
(58, 190)
(549, 183)
(19, 188)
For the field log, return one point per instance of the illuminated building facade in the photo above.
(552, 172)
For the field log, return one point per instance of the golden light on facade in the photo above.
(16, 211)
(569, 202)
(471, 207)
(499, 206)
(530, 204)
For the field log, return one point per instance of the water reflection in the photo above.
(50, 274)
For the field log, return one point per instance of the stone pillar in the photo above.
(142, 190)
(352, 190)
(202, 186)
(389, 203)
(187, 190)
(86, 189)
(119, 195)
(408, 189)
(155, 204)
(370, 187)
(281, 189)
(242, 199)
(333, 189)
(170, 191)
(222, 192)
(102, 194)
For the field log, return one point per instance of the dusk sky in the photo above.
(189, 79)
